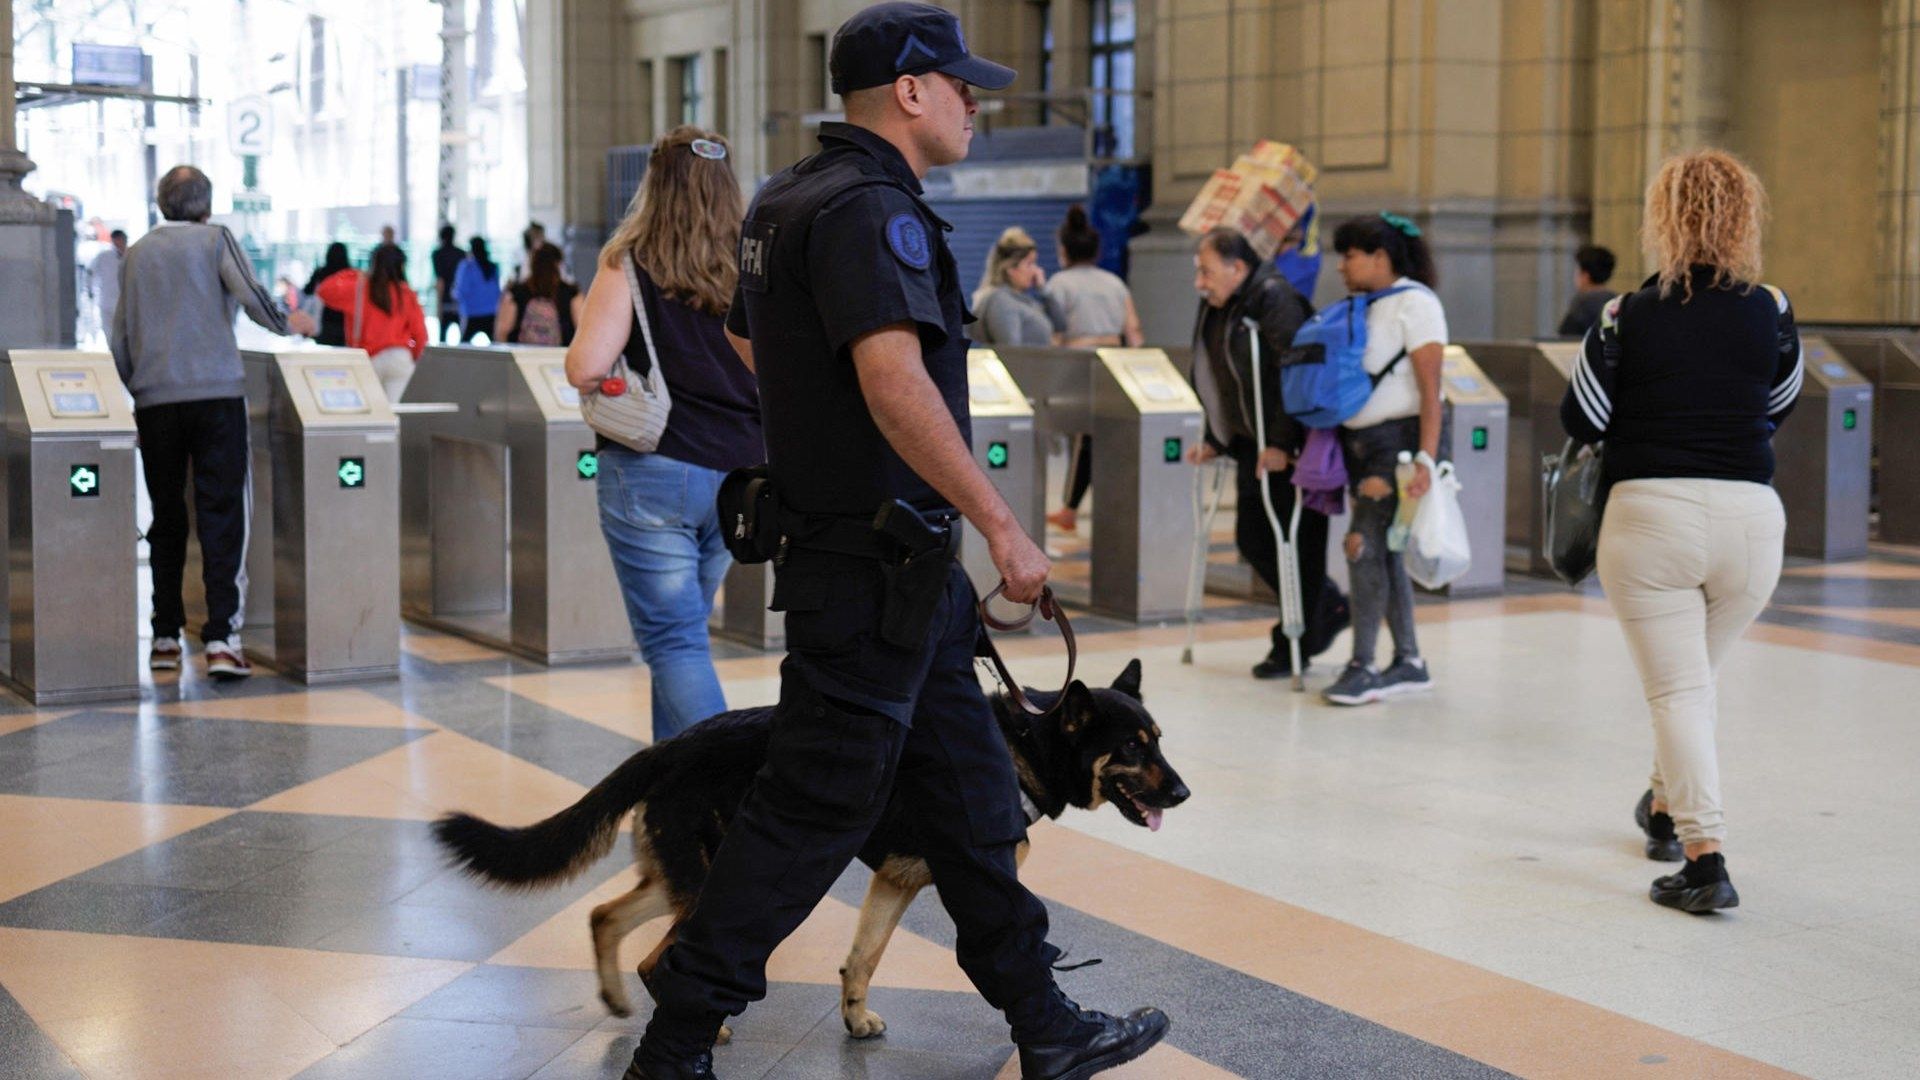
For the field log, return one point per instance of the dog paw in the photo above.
(616, 1004)
(725, 1036)
(863, 1023)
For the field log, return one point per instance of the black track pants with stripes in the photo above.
(210, 438)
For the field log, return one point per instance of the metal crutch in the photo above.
(1202, 544)
(1293, 621)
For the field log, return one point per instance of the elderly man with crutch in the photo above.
(1248, 316)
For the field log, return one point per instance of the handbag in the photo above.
(636, 417)
(1576, 501)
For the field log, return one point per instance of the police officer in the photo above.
(850, 306)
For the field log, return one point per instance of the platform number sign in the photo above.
(996, 455)
(587, 465)
(352, 472)
(83, 481)
(1170, 450)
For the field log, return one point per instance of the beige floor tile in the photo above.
(48, 839)
(125, 1006)
(445, 648)
(619, 699)
(430, 776)
(11, 724)
(343, 707)
(1163, 1062)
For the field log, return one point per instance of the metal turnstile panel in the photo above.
(1145, 417)
(453, 493)
(1533, 377)
(335, 517)
(743, 611)
(1822, 457)
(1008, 450)
(72, 625)
(1478, 450)
(1890, 359)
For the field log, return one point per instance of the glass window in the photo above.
(1111, 30)
(687, 93)
(316, 65)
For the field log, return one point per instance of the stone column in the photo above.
(1899, 197)
(33, 274)
(574, 48)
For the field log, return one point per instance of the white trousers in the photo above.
(1687, 565)
(395, 367)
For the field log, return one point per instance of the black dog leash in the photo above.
(1047, 608)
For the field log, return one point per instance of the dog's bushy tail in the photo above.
(555, 850)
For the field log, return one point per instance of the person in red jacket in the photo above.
(383, 315)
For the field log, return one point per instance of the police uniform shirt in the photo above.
(835, 247)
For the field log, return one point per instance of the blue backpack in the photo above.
(1323, 376)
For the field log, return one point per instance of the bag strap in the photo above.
(1047, 608)
(359, 312)
(640, 312)
(1388, 370)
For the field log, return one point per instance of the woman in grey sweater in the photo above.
(1009, 304)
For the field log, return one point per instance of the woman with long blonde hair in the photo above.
(1009, 305)
(675, 254)
(1686, 381)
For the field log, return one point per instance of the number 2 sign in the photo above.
(249, 125)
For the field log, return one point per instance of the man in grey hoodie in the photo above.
(173, 343)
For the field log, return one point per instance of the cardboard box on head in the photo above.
(1263, 195)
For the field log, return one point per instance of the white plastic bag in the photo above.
(1437, 548)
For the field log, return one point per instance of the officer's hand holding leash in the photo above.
(908, 410)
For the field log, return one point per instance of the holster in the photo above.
(917, 578)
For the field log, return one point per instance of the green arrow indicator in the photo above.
(352, 472)
(587, 464)
(996, 455)
(1170, 449)
(83, 481)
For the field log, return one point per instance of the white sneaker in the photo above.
(226, 660)
(164, 654)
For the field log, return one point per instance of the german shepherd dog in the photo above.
(1099, 746)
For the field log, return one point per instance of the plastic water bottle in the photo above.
(1397, 533)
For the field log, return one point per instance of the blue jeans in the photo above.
(664, 533)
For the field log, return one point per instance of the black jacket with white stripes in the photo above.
(1691, 388)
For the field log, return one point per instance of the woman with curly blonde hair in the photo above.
(672, 262)
(1686, 380)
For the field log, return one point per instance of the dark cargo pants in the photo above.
(859, 718)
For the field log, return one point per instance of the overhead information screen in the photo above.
(72, 394)
(336, 391)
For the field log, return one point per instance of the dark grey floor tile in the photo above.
(429, 933)
(924, 1021)
(877, 1061)
(189, 866)
(377, 876)
(196, 761)
(25, 1051)
(604, 1055)
(519, 996)
(789, 1013)
(96, 907)
(255, 919)
(456, 889)
(443, 1050)
(284, 832)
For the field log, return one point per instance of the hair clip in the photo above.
(709, 149)
(1406, 227)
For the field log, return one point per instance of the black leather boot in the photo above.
(1101, 1043)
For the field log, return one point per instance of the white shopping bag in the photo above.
(1437, 548)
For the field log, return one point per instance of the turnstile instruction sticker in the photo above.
(1152, 381)
(336, 391)
(352, 472)
(587, 465)
(72, 394)
(996, 455)
(986, 392)
(83, 481)
(1834, 371)
(563, 391)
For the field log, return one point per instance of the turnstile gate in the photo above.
(1145, 418)
(1005, 447)
(71, 610)
(1478, 449)
(1821, 456)
(1890, 360)
(1533, 377)
(333, 509)
(499, 515)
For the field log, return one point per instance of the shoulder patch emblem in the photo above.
(908, 239)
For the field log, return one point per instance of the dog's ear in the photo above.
(1076, 709)
(1129, 681)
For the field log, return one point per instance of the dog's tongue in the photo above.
(1153, 820)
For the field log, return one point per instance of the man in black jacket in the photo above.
(1236, 284)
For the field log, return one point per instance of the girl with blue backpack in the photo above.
(1370, 366)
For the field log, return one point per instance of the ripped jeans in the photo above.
(1378, 577)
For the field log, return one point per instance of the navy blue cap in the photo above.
(886, 41)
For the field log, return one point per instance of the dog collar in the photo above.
(1032, 810)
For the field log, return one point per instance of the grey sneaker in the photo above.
(1357, 685)
(1408, 675)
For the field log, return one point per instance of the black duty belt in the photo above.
(863, 538)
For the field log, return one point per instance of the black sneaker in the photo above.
(1408, 675)
(1278, 665)
(1700, 887)
(1109, 1042)
(698, 1067)
(1663, 844)
(1357, 685)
